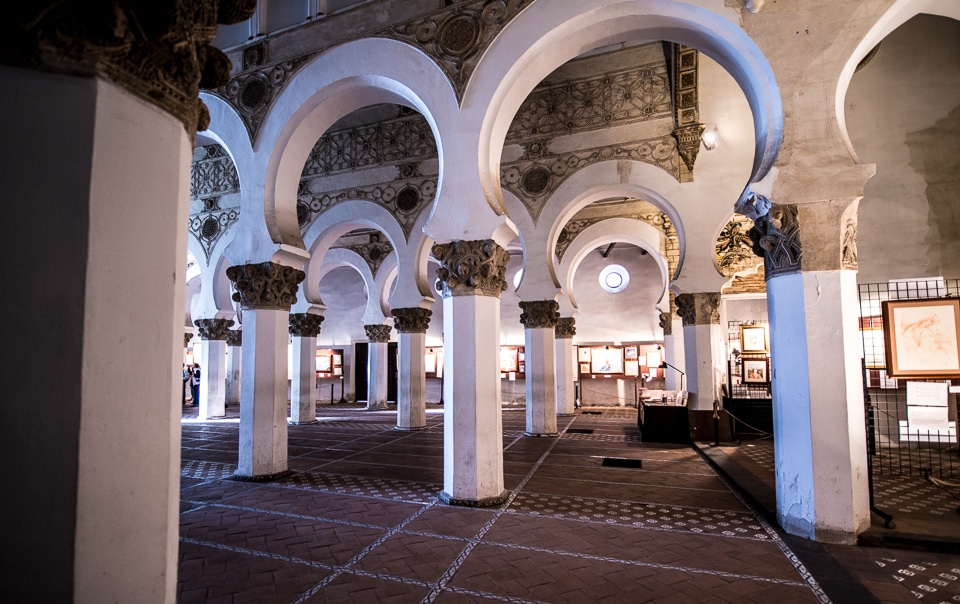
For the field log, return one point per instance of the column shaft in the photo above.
(566, 372)
(377, 375)
(541, 383)
(213, 375)
(411, 394)
(303, 387)
(233, 374)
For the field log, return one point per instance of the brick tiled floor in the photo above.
(359, 521)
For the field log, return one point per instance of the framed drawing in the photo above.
(630, 353)
(753, 339)
(583, 354)
(324, 363)
(606, 359)
(338, 371)
(756, 371)
(584, 367)
(522, 368)
(508, 359)
(921, 338)
(430, 362)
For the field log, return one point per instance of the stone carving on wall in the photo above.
(213, 174)
(378, 334)
(776, 238)
(471, 268)
(699, 309)
(163, 53)
(533, 182)
(411, 320)
(265, 286)
(213, 329)
(539, 314)
(455, 37)
(686, 107)
(666, 323)
(734, 249)
(849, 259)
(404, 199)
(187, 336)
(235, 337)
(566, 328)
(373, 253)
(209, 226)
(305, 325)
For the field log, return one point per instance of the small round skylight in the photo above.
(614, 278)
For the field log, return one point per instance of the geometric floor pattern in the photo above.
(359, 521)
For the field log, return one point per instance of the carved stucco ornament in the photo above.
(471, 268)
(566, 328)
(265, 286)
(776, 238)
(305, 325)
(539, 314)
(187, 336)
(235, 338)
(378, 334)
(849, 258)
(699, 309)
(159, 51)
(411, 320)
(213, 329)
(666, 323)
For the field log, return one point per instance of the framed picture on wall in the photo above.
(508, 359)
(430, 362)
(606, 359)
(753, 339)
(756, 371)
(921, 338)
(630, 353)
(583, 354)
(584, 367)
(324, 363)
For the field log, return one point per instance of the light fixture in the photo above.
(665, 364)
(709, 137)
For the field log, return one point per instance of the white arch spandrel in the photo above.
(548, 34)
(374, 313)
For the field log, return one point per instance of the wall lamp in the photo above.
(664, 365)
(709, 137)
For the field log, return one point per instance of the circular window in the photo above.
(614, 278)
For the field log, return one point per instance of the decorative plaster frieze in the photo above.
(403, 140)
(378, 334)
(163, 54)
(539, 314)
(734, 249)
(373, 253)
(235, 337)
(666, 323)
(699, 309)
(213, 174)
(411, 320)
(471, 268)
(213, 329)
(265, 286)
(849, 245)
(776, 238)
(209, 227)
(566, 328)
(305, 325)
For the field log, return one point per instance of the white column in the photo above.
(234, 348)
(412, 391)
(213, 375)
(566, 367)
(303, 389)
(541, 382)
(703, 349)
(379, 336)
(673, 350)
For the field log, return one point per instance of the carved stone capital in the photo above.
(472, 268)
(379, 334)
(265, 286)
(305, 325)
(699, 309)
(235, 338)
(159, 51)
(688, 143)
(566, 328)
(776, 238)
(666, 323)
(539, 314)
(187, 336)
(213, 329)
(411, 320)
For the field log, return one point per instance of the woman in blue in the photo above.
(195, 384)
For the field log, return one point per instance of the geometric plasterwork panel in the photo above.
(213, 174)
(734, 251)
(533, 181)
(211, 224)
(405, 199)
(373, 253)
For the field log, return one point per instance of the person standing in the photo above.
(195, 384)
(183, 385)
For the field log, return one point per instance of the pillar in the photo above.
(673, 350)
(539, 319)
(213, 367)
(411, 325)
(379, 336)
(703, 347)
(566, 366)
(472, 275)
(304, 327)
(810, 262)
(234, 347)
(97, 497)
(265, 292)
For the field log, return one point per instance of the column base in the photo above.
(539, 435)
(486, 502)
(262, 477)
(410, 429)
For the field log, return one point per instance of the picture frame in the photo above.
(606, 359)
(324, 363)
(755, 371)
(508, 359)
(522, 368)
(922, 338)
(583, 354)
(754, 339)
(430, 362)
(630, 353)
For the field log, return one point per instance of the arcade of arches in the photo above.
(449, 178)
